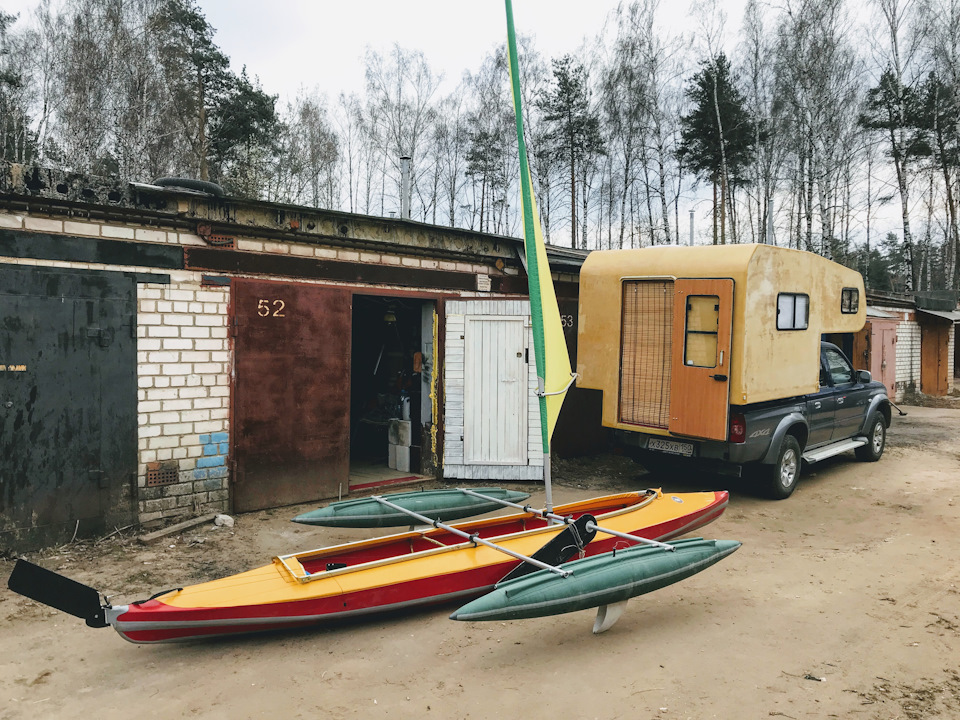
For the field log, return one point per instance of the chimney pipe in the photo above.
(405, 187)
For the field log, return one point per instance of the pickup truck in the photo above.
(768, 440)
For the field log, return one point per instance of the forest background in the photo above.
(827, 125)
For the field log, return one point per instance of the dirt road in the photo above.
(844, 601)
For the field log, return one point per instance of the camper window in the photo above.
(702, 325)
(793, 311)
(850, 301)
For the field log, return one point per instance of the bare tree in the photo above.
(891, 107)
(941, 33)
(401, 107)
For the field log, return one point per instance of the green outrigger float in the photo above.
(447, 504)
(606, 581)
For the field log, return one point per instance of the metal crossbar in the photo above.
(567, 520)
(474, 538)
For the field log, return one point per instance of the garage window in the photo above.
(793, 311)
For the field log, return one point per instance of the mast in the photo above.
(550, 348)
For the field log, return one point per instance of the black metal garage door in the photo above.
(68, 404)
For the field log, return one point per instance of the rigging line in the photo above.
(573, 379)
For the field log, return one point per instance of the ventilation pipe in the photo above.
(405, 187)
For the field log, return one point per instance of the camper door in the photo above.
(700, 382)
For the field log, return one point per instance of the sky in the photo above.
(320, 44)
(323, 43)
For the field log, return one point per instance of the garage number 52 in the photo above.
(272, 308)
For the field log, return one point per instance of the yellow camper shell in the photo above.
(666, 331)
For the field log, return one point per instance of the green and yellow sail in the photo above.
(550, 347)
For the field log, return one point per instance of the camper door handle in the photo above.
(721, 378)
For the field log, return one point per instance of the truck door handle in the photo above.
(721, 378)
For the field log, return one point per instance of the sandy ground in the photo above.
(843, 602)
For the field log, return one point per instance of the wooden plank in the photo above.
(174, 529)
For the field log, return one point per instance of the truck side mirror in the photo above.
(864, 376)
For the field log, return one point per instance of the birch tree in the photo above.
(401, 91)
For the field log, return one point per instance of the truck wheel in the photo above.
(876, 440)
(782, 476)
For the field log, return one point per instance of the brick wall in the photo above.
(184, 360)
(183, 375)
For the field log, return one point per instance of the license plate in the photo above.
(671, 446)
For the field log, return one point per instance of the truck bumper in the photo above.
(714, 455)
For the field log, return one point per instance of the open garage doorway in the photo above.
(391, 376)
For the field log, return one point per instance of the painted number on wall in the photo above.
(566, 321)
(271, 308)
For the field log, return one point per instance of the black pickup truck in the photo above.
(768, 440)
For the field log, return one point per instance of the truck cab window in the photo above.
(840, 370)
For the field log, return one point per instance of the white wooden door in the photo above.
(495, 391)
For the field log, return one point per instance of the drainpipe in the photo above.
(405, 187)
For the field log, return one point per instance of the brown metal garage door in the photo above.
(291, 396)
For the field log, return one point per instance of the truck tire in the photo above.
(876, 440)
(782, 476)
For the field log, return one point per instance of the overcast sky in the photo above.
(291, 44)
(323, 43)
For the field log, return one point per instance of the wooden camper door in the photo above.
(291, 393)
(700, 382)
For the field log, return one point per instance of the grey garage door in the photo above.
(68, 404)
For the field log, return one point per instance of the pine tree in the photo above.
(574, 134)
(717, 136)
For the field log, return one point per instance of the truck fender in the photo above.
(879, 404)
(789, 421)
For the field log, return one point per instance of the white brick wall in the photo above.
(908, 356)
(184, 385)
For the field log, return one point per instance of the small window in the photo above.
(850, 301)
(702, 327)
(793, 311)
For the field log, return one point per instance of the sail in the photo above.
(550, 347)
